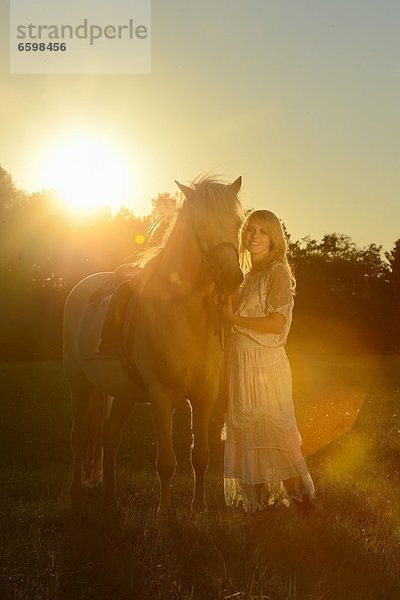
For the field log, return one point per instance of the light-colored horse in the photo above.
(170, 352)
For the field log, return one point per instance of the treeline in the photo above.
(346, 295)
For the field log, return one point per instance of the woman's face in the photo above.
(256, 239)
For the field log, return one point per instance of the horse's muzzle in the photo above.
(227, 283)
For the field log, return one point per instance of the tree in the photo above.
(10, 195)
(338, 280)
(44, 253)
(393, 258)
(337, 246)
(164, 204)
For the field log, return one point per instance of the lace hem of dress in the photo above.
(252, 497)
(260, 496)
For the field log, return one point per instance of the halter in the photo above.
(207, 256)
(222, 327)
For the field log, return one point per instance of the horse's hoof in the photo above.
(74, 491)
(199, 508)
(75, 497)
(165, 512)
(110, 503)
(75, 501)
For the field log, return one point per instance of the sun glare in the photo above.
(88, 175)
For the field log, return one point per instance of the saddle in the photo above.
(120, 298)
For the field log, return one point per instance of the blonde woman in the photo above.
(263, 463)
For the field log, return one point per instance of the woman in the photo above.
(263, 462)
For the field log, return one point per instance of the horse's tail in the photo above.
(92, 453)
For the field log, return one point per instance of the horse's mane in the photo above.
(210, 205)
(157, 235)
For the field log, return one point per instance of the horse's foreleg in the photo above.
(112, 434)
(200, 421)
(166, 460)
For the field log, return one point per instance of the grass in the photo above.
(349, 415)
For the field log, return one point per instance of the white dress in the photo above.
(262, 443)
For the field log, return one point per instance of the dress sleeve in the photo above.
(279, 297)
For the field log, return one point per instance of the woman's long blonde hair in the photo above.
(278, 242)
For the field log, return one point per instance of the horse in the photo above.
(170, 350)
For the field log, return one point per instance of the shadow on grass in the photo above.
(348, 549)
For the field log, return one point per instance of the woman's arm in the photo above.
(272, 323)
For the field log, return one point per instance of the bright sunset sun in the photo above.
(88, 174)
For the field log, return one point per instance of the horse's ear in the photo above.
(236, 185)
(187, 191)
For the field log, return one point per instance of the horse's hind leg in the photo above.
(119, 414)
(80, 425)
(89, 411)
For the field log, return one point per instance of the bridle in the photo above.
(208, 255)
(222, 327)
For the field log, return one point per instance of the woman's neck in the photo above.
(259, 264)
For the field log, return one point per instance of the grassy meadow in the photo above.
(348, 410)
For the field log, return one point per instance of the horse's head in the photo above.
(215, 214)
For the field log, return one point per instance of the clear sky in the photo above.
(300, 97)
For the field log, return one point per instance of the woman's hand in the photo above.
(272, 323)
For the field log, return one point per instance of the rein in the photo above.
(222, 327)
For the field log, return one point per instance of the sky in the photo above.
(300, 97)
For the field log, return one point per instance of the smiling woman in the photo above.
(88, 175)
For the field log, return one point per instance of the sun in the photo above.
(88, 174)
